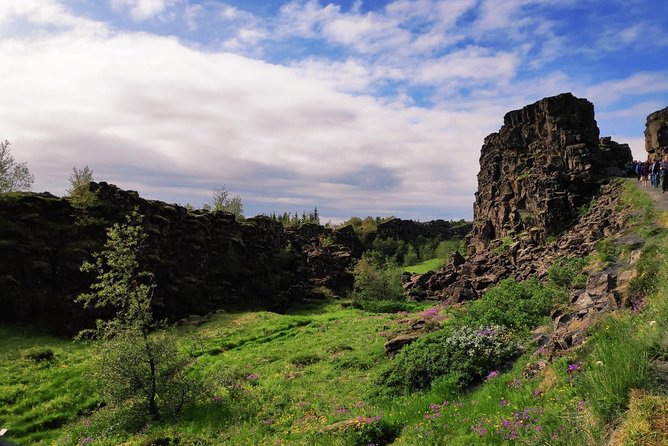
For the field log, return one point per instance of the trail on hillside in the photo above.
(660, 199)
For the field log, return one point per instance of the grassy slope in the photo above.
(428, 265)
(298, 375)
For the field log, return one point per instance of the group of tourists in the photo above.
(652, 173)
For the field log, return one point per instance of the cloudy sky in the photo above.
(363, 107)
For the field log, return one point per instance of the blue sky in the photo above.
(356, 107)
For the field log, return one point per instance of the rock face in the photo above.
(544, 163)
(409, 230)
(656, 134)
(202, 261)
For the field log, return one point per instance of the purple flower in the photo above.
(488, 332)
(479, 429)
(252, 377)
(491, 375)
(573, 367)
(84, 441)
(581, 405)
(504, 403)
(341, 410)
(536, 393)
(430, 313)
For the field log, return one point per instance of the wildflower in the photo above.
(652, 323)
(574, 367)
(491, 375)
(536, 393)
(341, 410)
(359, 404)
(85, 441)
(252, 377)
(581, 405)
(504, 403)
(430, 313)
(599, 363)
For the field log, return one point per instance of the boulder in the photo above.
(656, 134)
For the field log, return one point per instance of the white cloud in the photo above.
(610, 92)
(148, 111)
(142, 9)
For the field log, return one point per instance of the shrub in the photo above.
(567, 271)
(363, 431)
(516, 305)
(467, 353)
(38, 354)
(374, 284)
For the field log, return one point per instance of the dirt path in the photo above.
(660, 199)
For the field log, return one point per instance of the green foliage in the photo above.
(374, 286)
(13, 176)
(223, 201)
(38, 354)
(365, 228)
(646, 281)
(120, 283)
(147, 373)
(567, 271)
(465, 352)
(504, 245)
(516, 305)
(139, 369)
(79, 191)
(619, 360)
(290, 220)
(606, 251)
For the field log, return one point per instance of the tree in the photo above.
(139, 367)
(79, 191)
(13, 176)
(222, 201)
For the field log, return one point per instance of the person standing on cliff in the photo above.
(644, 172)
(664, 174)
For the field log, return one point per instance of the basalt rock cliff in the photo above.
(537, 175)
(544, 163)
(202, 261)
(656, 134)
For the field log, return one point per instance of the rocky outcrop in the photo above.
(536, 176)
(202, 261)
(467, 278)
(544, 163)
(656, 134)
(409, 230)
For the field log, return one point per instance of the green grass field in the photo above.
(423, 267)
(310, 377)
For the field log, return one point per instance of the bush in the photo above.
(567, 271)
(38, 354)
(516, 305)
(466, 353)
(374, 284)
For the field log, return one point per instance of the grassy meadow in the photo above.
(314, 376)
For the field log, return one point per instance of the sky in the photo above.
(355, 107)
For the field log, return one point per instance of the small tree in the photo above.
(79, 191)
(138, 367)
(13, 176)
(222, 201)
